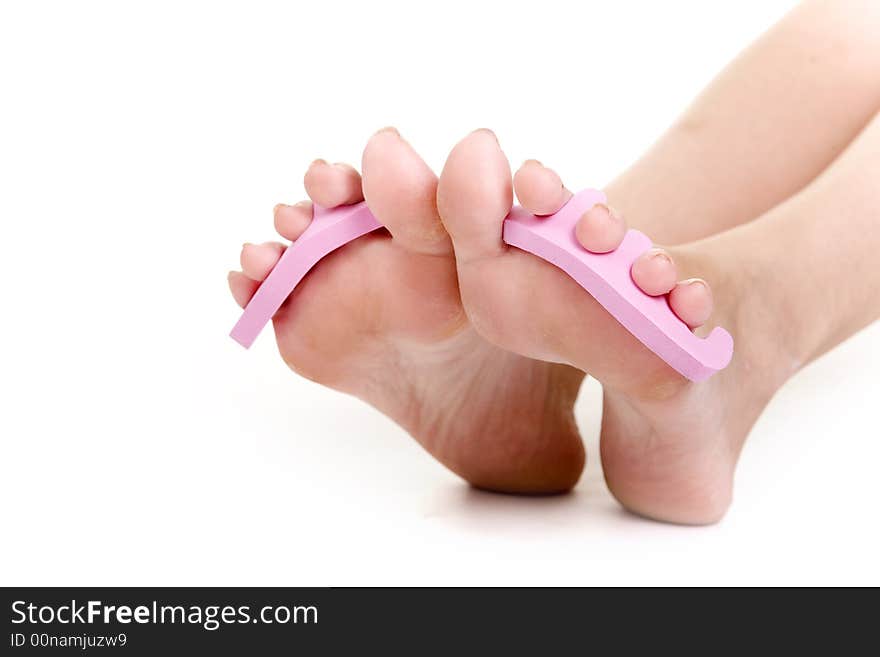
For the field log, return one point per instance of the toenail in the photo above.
(531, 161)
(278, 206)
(302, 204)
(608, 212)
(319, 162)
(695, 281)
(488, 132)
(390, 129)
(660, 256)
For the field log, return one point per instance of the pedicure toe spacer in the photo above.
(606, 276)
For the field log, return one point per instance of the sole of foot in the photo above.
(381, 318)
(669, 447)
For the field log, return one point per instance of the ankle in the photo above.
(750, 305)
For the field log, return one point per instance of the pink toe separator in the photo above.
(605, 276)
(328, 230)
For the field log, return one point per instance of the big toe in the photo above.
(401, 191)
(474, 195)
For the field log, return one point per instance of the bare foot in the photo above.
(381, 318)
(669, 447)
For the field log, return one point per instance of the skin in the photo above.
(669, 447)
(777, 116)
(458, 358)
(381, 319)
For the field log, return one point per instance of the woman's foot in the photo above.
(381, 318)
(669, 447)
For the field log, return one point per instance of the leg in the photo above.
(771, 122)
(793, 284)
(755, 136)
(819, 251)
(669, 447)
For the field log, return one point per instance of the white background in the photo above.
(141, 144)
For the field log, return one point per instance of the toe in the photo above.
(330, 185)
(401, 191)
(292, 220)
(600, 229)
(691, 300)
(257, 260)
(539, 189)
(654, 272)
(474, 195)
(242, 287)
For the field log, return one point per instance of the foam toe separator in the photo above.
(606, 276)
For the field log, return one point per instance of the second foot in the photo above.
(669, 447)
